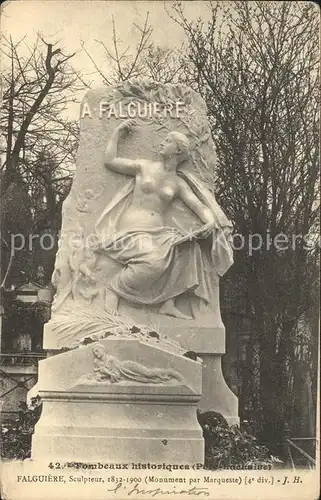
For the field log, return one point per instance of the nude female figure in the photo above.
(156, 186)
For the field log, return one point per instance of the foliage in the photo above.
(256, 65)
(38, 147)
(226, 446)
(16, 435)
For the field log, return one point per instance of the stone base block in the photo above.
(121, 432)
(129, 402)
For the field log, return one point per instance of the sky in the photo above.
(73, 21)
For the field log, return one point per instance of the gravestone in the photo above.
(138, 330)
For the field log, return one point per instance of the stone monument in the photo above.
(143, 243)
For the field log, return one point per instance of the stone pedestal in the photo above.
(129, 420)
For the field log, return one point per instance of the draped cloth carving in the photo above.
(171, 249)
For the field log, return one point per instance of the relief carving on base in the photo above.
(109, 369)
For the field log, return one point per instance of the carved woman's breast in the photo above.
(167, 193)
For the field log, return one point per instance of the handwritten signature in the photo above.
(158, 491)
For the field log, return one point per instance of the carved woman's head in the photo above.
(176, 145)
(98, 351)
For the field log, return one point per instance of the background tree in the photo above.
(256, 65)
(38, 145)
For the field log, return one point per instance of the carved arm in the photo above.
(186, 194)
(120, 165)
